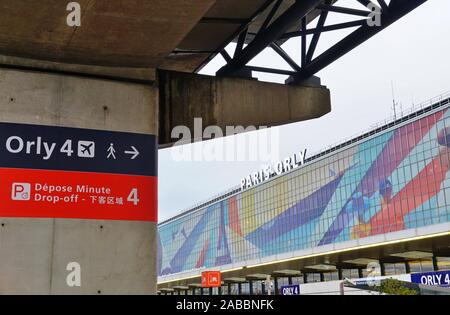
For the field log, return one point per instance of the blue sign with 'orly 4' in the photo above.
(290, 290)
(441, 278)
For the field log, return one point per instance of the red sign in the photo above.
(211, 279)
(76, 195)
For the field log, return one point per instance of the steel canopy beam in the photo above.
(273, 34)
(396, 11)
(290, 17)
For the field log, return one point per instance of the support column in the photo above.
(382, 270)
(407, 267)
(435, 264)
(275, 281)
(115, 256)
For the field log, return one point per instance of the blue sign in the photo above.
(441, 278)
(290, 290)
(39, 147)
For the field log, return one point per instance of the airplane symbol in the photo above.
(86, 149)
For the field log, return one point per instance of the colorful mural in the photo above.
(397, 180)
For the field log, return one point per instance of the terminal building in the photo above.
(381, 199)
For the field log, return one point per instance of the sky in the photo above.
(408, 62)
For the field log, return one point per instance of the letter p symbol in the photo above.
(21, 191)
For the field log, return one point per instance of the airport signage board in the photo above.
(58, 172)
(211, 279)
(441, 278)
(290, 290)
(276, 169)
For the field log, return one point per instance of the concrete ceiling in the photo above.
(125, 33)
(220, 25)
(139, 33)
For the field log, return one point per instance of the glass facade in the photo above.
(396, 180)
(443, 263)
(391, 269)
(423, 265)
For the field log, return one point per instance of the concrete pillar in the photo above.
(116, 257)
(233, 102)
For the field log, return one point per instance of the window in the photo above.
(391, 269)
(443, 263)
(313, 277)
(331, 276)
(418, 266)
(350, 273)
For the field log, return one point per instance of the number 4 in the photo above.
(133, 196)
(67, 148)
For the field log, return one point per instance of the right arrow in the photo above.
(135, 152)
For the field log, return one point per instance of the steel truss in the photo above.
(274, 32)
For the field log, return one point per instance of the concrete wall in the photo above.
(115, 257)
(234, 102)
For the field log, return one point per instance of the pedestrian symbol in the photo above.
(111, 151)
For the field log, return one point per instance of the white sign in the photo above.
(276, 169)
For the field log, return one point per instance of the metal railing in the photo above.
(416, 109)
